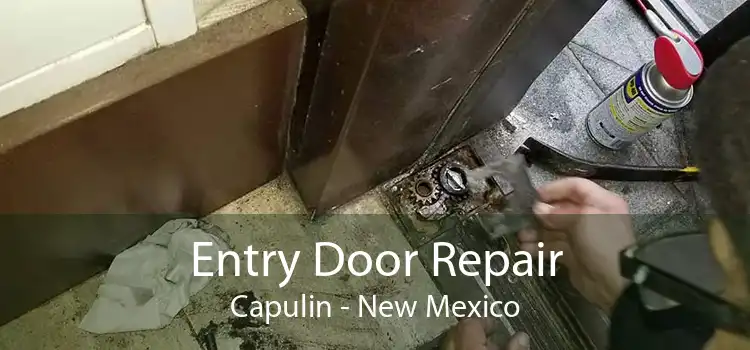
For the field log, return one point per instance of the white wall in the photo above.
(48, 46)
(34, 33)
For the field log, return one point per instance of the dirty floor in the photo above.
(269, 218)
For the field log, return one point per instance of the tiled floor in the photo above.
(609, 49)
(713, 11)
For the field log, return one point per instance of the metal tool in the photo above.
(514, 170)
(426, 190)
(452, 179)
(558, 162)
(518, 213)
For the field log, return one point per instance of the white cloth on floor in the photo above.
(148, 284)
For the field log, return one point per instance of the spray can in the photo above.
(657, 91)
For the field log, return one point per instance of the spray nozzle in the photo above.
(678, 60)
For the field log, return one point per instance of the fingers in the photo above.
(488, 324)
(559, 246)
(583, 193)
(519, 341)
(560, 216)
(529, 239)
(554, 246)
(572, 189)
(528, 236)
(551, 241)
(472, 334)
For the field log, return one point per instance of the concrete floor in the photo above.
(271, 217)
(613, 45)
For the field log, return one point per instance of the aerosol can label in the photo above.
(629, 112)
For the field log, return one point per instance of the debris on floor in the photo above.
(148, 284)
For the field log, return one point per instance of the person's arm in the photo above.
(591, 226)
(473, 334)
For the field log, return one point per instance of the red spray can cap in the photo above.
(678, 60)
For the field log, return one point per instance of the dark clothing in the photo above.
(635, 327)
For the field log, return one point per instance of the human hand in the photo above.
(591, 226)
(472, 334)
